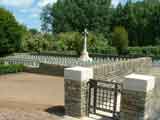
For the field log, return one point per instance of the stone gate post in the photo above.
(136, 100)
(76, 79)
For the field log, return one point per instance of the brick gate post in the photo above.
(136, 100)
(76, 79)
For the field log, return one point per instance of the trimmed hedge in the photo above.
(4, 69)
(150, 51)
(144, 51)
(56, 53)
(107, 50)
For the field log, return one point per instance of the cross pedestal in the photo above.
(84, 56)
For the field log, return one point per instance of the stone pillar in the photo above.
(137, 97)
(76, 79)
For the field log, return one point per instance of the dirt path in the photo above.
(31, 96)
(16, 114)
(32, 88)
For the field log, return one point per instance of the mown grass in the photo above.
(5, 69)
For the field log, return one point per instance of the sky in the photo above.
(27, 12)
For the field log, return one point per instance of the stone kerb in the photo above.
(76, 79)
(136, 97)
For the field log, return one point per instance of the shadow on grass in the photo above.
(57, 110)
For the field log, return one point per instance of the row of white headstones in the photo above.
(35, 60)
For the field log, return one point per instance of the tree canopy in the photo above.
(120, 39)
(75, 15)
(139, 18)
(10, 32)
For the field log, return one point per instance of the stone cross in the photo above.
(84, 56)
(85, 40)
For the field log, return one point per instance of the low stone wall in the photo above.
(108, 71)
(121, 68)
(48, 69)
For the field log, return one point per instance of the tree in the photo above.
(73, 41)
(34, 31)
(75, 15)
(46, 19)
(120, 39)
(141, 20)
(10, 32)
(36, 43)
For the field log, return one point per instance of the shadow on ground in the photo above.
(56, 110)
(60, 111)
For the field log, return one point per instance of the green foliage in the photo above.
(36, 43)
(4, 69)
(68, 41)
(120, 39)
(141, 20)
(10, 33)
(104, 50)
(73, 41)
(144, 51)
(33, 31)
(75, 15)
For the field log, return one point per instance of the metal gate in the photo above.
(103, 98)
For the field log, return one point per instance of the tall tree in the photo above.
(120, 39)
(10, 32)
(75, 15)
(141, 19)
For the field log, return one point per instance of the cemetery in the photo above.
(105, 72)
(111, 88)
(79, 60)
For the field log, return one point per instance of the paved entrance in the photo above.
(31, 90)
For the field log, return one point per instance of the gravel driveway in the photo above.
(26, 96)
(8, 114)
(32, 88)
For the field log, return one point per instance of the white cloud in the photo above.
(42, 3)
(30, 10)
(115, 2)
(34, 16)
(17, 3)
(23, 11)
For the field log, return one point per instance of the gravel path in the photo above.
(25, 96)
(8, 114)
(32, 88)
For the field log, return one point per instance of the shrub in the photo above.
(36, 43)
(73, 41)
(120, 39)
(4, 69)
(135, 51)
(144, 51)
(104, 50)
